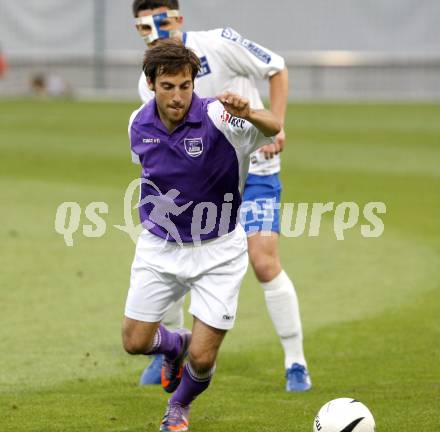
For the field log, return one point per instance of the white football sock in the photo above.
(173, 319)
(282, 304)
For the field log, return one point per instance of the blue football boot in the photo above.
(151, 374)
(297, 378)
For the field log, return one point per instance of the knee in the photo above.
(131, 345)
(202, 361)
(134, 343)
(266, 267)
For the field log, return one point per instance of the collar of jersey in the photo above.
(194, 115)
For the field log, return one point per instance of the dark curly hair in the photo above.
(170, 57)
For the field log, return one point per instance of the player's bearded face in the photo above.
(174, 95)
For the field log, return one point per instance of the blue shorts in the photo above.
(260, 210)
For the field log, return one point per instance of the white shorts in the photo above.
(162, 272)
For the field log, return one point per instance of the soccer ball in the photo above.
(344, 415)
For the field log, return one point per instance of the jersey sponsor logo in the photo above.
(252, 47)
(151, 140)
(257, 51)
(228, 317)
(233, 121)
(204, 67)
(231, 34)
(193, 146)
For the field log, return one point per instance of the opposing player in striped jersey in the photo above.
(230, 62)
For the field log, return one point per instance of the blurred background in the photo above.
(362, 126)
(345, 49)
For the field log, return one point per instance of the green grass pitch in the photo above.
(370, 307)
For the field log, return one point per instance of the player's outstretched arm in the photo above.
(238, 106)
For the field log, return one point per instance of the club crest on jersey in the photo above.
(193, 146)
(233, 121)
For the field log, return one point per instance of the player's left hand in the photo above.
(235, 105)
(270, 150)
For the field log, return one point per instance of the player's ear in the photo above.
(150, 84)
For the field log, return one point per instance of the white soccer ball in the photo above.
(344, 415)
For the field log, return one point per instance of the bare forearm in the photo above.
(265, 121)
(278, 93)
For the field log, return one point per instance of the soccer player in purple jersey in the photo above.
(196, 153)
(234, 63)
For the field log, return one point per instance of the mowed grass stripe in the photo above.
(369, 306)
(370, 360)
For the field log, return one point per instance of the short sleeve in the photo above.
(239, 132)
(246, 57)
(133, 137)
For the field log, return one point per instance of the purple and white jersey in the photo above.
(192, 178)
(233, 63)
